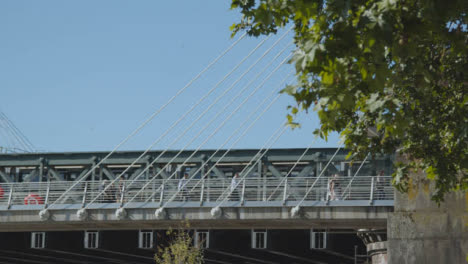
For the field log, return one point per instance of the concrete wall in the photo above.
(421, 232)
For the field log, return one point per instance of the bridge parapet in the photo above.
(359, 202)
(198, 192)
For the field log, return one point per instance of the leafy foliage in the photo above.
(180, 249)
(389, 75)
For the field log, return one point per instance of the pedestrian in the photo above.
(108, 190)
(234, 185)
(379, 184)
(182, 187)
(333, 188)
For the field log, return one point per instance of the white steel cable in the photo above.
(229, 192)
(324, 169)
(247, 129)
(195, 121)
(7, 128)
(230, 137)
(13, 136)
(179, 120)
(7, 136)
(320, 175)
(212, 134)
(354, 176)
(20, 134)
(153, 115)
(293, 167)
(240, 92)
(257, 159)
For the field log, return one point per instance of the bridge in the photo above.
(89, 207)
(50, 191)
(275, 192)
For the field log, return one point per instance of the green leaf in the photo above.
(399, 66)
(327, 78)
(363, 73)
(430, 172)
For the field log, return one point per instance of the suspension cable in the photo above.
(215, 131)
(20, 133)
(354, 176)
(196, 120)
(293, 167)
(225, 92)
(341, 143)
(230, 137)
(152, 116)
(229, 192)
(20, 138)
(6, 136)
(320, 175)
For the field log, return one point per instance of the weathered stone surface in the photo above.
(419, 231)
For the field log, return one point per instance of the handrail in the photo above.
(364, 188)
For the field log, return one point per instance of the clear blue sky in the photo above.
(82, 75)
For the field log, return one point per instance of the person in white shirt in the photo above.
(182, 187)
(334, 189)
(234, 185)
(379, 184)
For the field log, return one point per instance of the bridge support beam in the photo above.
(376, 244)
(4, 176)
(52, 172)
(200, 218)
(377, 251)
(108, 173)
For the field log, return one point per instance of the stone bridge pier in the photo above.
(421, 232)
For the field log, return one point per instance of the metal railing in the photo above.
(161, 191)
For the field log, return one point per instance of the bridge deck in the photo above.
(257, 202)
(68, 191)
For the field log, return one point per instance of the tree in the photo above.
(180, 249)
(394, 69)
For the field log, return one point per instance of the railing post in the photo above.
(243, 192)
(161, 197)
(208, 188)
(264, 188)
(285, 193)
(202, 191)
(47, 195)
(10, 196)
(371, 198)
(328, 195)
(122, 195)
(355, 254)
(85, 191)
(348, 187)
(153, 186)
